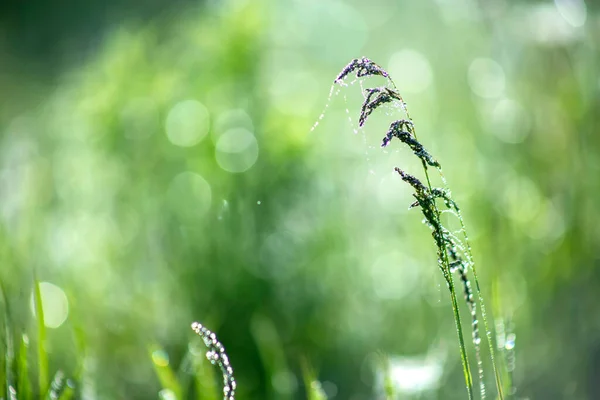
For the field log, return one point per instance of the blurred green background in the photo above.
(157, 166)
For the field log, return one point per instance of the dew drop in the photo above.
(510, 342)
(55, 304)
(332, 93)
(187, 123)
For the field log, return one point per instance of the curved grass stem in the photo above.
(463, 349)
(461, 340)
(454, 254)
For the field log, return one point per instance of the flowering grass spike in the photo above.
(453, 248)
(216, 355)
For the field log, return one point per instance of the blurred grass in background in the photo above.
(157, 167)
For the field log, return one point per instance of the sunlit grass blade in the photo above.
(313, 388)
(164, 372)
(4, 367)
(389, 390)
(9, 357)
(501, 341)
(2, 372)
(56, 387)
(68, 392)
(184, 373)
(486, 326)
(270, 349)
(217, 356)
(70, 384)
(24, 385)
(42, 356)
(461, 340)
(205, 378)
(9, 362)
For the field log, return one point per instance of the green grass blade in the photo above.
(164, 372)
(9, 362)
(217, 356)
(8, 384)
(69, 387)
(4, 367)
(41, 336)
(3, 374)
(68, 392)
(24, 385)
(205, 377)
(446, 265)
(488, 334)
(183, 375)
(313, 388)
(388, 383)
(461, 340)
(56, 387)
(70, 384)
(270, 349)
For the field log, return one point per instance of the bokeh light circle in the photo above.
(230, 119)
(411, 71)
(187, 123)
(236, 150)
(55, 304)
(393, 276)
(189, 196)
(573, 11)
(486, 78)
(140, 118)
(510, 121)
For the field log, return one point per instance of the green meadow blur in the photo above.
(158, 167)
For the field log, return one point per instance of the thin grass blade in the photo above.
(9, 362)
(24, 385)
(41, 336)
(56, 387)
(461, 340)
(4, 367)
(184, 373)
(164, 372)
(313, 388)
(388, 383)
(270, 349)
(68, 392)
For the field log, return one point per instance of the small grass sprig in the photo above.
(15, 366)
(216, 355)
(42, 356)
(505, 342)
(453, 248)
(314, 390)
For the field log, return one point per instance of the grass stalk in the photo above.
(23, 384)
(41, 342)
(454, 253)
(313, 388)
(461, 340)
(217, 356)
